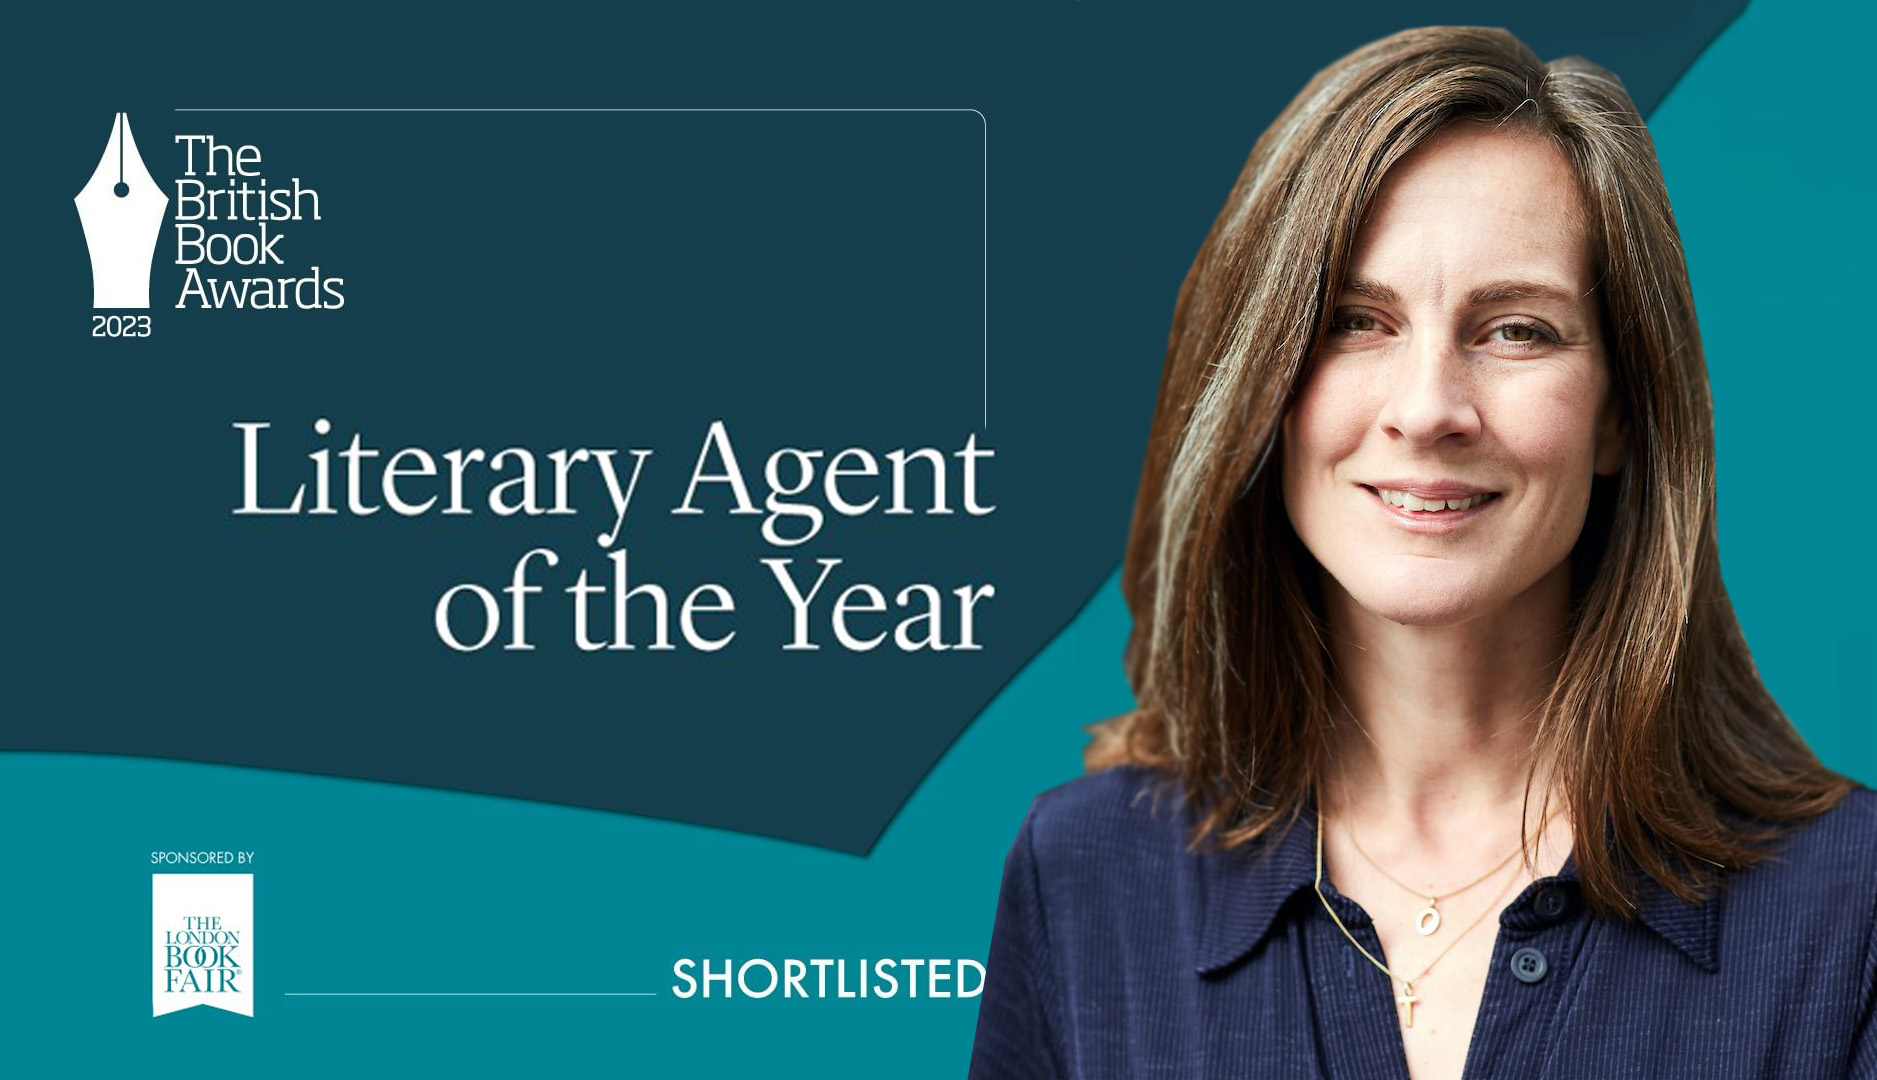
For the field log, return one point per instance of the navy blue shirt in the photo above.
(1118, 954)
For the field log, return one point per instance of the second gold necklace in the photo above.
(1427, 920)
(1406, 1000)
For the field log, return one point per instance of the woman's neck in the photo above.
(1434, 727)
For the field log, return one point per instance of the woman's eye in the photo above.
(1525, 334)
(1354, 322)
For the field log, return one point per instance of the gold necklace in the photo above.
(1427, 920)
(1407, 997)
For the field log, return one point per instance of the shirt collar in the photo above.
(1241, 891)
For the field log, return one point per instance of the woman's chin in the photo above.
(1413, 596)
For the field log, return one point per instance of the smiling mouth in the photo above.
(1401, 500)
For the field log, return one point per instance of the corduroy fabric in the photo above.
(1116, 953)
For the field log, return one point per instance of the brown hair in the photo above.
(1657, 718)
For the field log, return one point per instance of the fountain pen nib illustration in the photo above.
(121, 209)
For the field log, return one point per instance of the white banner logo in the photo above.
(203, 928)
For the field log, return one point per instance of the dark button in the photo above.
(1529, 965)
(1550, 902)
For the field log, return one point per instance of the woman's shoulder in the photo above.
(1816, 887)
(1121, 796)
(1838, 847)
(1122, 814)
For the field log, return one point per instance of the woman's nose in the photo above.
(1431, 391)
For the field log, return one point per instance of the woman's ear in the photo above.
(1612, 446)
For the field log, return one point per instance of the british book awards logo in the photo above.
(121, 209)
(230, 233)
(203, 928)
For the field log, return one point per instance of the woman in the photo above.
(1450, 758)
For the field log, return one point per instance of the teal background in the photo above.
(364, 886)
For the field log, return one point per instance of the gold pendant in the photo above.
(1429, 919)
(1406, 1001)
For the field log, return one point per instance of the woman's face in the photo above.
(1463, 359)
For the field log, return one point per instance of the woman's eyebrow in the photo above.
(1500, 291)
(1493, 292)
(1372, 289)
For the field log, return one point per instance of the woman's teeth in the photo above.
(1415, 502)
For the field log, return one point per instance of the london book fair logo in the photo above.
(203, 926)
(230, 234)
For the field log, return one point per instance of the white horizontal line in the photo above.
(549, 109)
(472, 993)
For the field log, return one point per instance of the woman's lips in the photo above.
(1430, 521)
